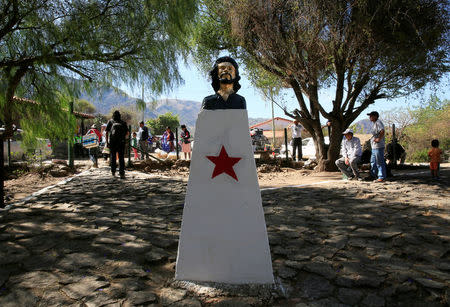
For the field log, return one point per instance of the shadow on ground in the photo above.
(98, 241)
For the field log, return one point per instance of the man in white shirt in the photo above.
(377, 142)
(351, 155)
(297, 140)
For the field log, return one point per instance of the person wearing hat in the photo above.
(377, 142)
(93, 151)
(351, 155)
(143, 135)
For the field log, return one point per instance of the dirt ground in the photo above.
(25, 185)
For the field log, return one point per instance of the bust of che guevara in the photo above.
(225, 82)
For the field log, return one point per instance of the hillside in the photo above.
(363, 126)
(106, 98)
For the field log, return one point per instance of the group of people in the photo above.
(115, 136)
(351, 152)
(141, 140)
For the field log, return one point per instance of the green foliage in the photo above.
(356, 128)
(45, 44)
(51, 122)
(158, 125)
(365, 50)
(431, 122)
(128, 115)
(84, 106)
(419, 156)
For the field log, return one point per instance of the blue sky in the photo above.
(196, 86)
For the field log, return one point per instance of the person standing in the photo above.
(93, 152)
(377, 142)
(297, 140)
(435, 158)
(167, 140)
(185, 142)
(143, 140)
(351, 155)
(116, 132)
(134, 145)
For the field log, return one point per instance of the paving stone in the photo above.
(100, 298)
(322, 269)
(169, 296)
(429, 283)
(231, 303)
(189, 302)
(349, 296)
(369, 280)
(141, 297)
(4, 275)
(55, 298)
(84, 287)
(326, 302)
(36, 279)
(77, 261)
(286, 272)
(19, 297)
(315, 287)
(12, 253)
(373, 300)
(156, 254)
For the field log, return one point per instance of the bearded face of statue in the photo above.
(226, 72)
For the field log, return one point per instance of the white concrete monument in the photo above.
(223, 233)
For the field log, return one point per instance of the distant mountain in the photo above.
(105, 98)
(363, 126)
(187, 110)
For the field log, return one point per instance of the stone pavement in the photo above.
(102, 241)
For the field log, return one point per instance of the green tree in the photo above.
(127, 114)
(84, 106)
(45, 44)
(431, 122)
(158, 125)
(364, 50)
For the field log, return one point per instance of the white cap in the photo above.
(348, 131)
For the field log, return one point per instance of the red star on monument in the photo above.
(224, 164)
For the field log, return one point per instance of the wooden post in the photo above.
(129, 146)
(70, 140)
(2, 173)
(176, 143)
(273, 127)
(286, 144)
(394, 145)
(9, 152)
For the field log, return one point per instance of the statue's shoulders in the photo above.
(216, 102)
(238, 101)
(210, 98)
(209, 102)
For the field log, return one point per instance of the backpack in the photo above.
(118, 132)
(144, 133)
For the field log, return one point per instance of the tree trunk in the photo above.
(334, 149)
(2, 174)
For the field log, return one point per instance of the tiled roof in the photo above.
(270, 120)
